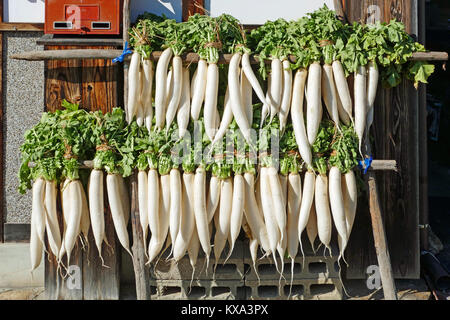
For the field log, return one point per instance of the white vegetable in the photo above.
(372, 85)
(337, 206)
(276, 87)
(185, 105)
(160, 87)
(298, 121)
(133, 86)
(322, 206)
(314, 99)
(286, 96)
(342, 87)
(223, 219)
(252, 213)
(175, 204)
(250, 75)
(51, 218)
(97, 208)
(187, 219)
(360, 103)
(306, 204)
(237, 210)
(174, 99)
(142, 180)
(200, 211)
(247, 96)
(210, 106)
(329, 93)
(116, 197)
(235, 97)
(199, 89)
(146, 95)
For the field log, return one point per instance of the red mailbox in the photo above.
(83, 17)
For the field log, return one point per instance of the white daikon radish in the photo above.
(199, 89)
(223, 219)
(298, 121)
(116, 197)
(174, 99)
(160, 87)
(360, 103)
(322, 206)
(187, 219)
(237, 210)
(314, 99)
(185, 105)
(329, 93)
(286, 96)
(51, 218)
(97, 208)
(342, 88)
(337, 207)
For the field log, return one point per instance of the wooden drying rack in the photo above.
(141, 271)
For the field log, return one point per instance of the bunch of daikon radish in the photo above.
(294, 174)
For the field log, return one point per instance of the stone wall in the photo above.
(23, 104)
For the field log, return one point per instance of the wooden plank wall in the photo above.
(395, 133)
(95, 85)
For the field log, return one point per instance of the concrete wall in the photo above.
(23, 103)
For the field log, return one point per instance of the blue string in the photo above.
(126, 51)
(367, 164)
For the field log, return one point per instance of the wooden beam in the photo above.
(377, 165)
(9, 26)
(190, 57)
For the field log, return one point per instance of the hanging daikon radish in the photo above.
(199, 89)
(174, 99)
(276, 87)
(329, 93)
(314, 102)
(146, 95)
(133, 86)
(160, 87)
(185, 105)
(298, 120)
(97, 208)
(360, 103)
(322, 208)
(342, 88)
(372, 85)
(51, 217)
(247, 96)
(286, 95)
(116, 197)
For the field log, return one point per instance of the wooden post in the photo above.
(379, 236)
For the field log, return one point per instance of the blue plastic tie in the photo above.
(366, 165)
(126, 51)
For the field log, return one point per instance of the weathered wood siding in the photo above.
(395, 136)
(96, 85)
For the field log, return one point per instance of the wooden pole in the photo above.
(379, 235)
